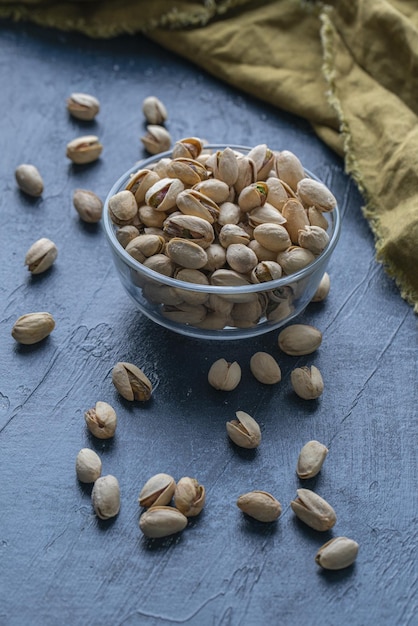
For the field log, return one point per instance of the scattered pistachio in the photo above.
(162, 521)
(157, 491)
(299, 339)
(313, 510)
(106, 497)
(265, 368)
(84, 149)
(338, 553)
(244, 431)
(101, 420)
(88, 466)
(29, 179)
(224, 375)
(260, 505)
(157, 139)
(189, 496)
(154, 110)
(41, 255)
(307, 382)
(33, 327)
(323, 289)
(88, 205)
(311, 458)
(83, 106)
(131, 382)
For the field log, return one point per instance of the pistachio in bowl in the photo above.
(221, 242)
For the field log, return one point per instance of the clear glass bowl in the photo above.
(155, 294)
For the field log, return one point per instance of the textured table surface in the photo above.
(58, 563)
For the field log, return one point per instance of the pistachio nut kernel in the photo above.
(244, 431)
(189, 496)
(131, 382)
(338, 553)
(157, 139)
(83, 106)
(122, 207)
(29, 179)
(260, 505)
(101, 420)
(313, 510)
(157, 491)
(162, 521)
(224, 375)
(311, 458)
(323, 289)
(88, 205)
(307, 382)
(265, 368)
(154, 110)
(33, 327)
(299, 339)
(41, 255)
(88, 466)
(106, 497)
(85, 149)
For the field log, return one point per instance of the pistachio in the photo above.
(261, 252)
(191, 227)
(215, 189)
(263, 158)
(247, 173)
(274, 237)
(311, 458)
(157, 139)
(241, 258)
(186, 253)
(150, 218)
(162, 521)
(140, 182)
(260, 505)
(338, 553)
(162, 196)
(85, 149)
(313, 238)
(189, 171)
(253, 196)
(154, 110)
(232, 233)
(277, 195)
(314, 193)
(189, 147)
(88, 466)
(265, 368)
(33, 327)
(317, 218)
(41, 255)
(157, 491)
(323, 289)
(101, 420)
(299, 339)
(294, 259)
(83, 106)
(247, 313)
(192, 276)
(192, 202)
(125, 234)
(106, 497)
(184, 312)
(145, 246)
(216, 257)
(29, 179)
(313, 510)
(307, 382)
(189, 496)
(224, 375)
(265, 271)
(88, 205)
(131, 382)
(289, 168)
(263, 214)
(160, 263)
(224, 166)
(123, 207)
(229, 213)
(296, 217)
(244, 431)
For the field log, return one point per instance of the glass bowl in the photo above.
(180, 306)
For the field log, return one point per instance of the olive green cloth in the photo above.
(350, 67)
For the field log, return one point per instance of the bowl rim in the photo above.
(117, 248)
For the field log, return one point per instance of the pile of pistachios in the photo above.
(223, 218)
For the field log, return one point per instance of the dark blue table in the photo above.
(58, 563)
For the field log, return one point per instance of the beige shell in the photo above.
(244, 431)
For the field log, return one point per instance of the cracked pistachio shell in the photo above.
(85, 149)
(313, 238)
(195, 203)
(265, 271)
(125, 234)
(189, 496)
(190, 227)
(106, 497)
(33, 327)
(157, 491)
(162, 196)
(88, 466)
(88, 205)
(338, 553)
(215, 189)
(185, 253)
(247, 173)
(241, 258)
(145, 246)
(83, 106)
(157, 139)
(101, 420)
(299, 339)
(224, 166)
(29, 179)
(317, 218)
(265, 368)
(244, 431)
(131, 382)
(311, 458)
(189, 147)
(253, 196)
(323, 289)
(289, 168)
(314, 193)
(313, 510)
(263, 214)
(123, 207)
(294, 259)
(154, 110)
(307, 382)
(224, 375)
(189, 171)
(140, 182)
(274, 237)
(162, 521)
(264, 160)
(232, 233)
(296, 218)
(260, 505)
(277, 195)
(41, 255)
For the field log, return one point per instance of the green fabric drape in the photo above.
(350, 67)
